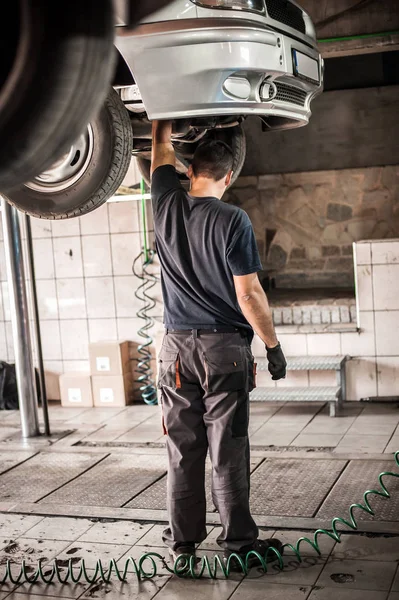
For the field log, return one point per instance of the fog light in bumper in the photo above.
(238, 88)
(268, 91)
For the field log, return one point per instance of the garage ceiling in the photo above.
(348, 18)
(352, 128)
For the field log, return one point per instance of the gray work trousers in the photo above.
(205, 379)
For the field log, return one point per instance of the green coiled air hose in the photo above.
(146, 567)
(148, 281)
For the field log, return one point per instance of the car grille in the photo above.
(287, 13)
(289, 93)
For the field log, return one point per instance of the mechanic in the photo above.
(213, 301)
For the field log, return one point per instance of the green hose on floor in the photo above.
(146, 566)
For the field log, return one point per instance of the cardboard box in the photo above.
(52, 380)
(76, 390)
(112, 390)
(109, 358)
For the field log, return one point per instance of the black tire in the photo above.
(104, 170)
(233, 136)
(59, 67)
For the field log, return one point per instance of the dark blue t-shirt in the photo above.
(202, 243)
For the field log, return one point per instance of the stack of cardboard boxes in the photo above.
(109, 383)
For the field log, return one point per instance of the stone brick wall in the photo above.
(306, 223)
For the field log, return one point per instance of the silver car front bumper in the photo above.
(181, 68)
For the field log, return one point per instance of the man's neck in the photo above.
(206, 188)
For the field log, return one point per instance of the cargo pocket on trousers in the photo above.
(224, 373)
(227, 373)
(169, 370)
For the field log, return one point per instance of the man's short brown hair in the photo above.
(213, 159)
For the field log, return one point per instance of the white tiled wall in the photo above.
(361, 378)
(376, 348)
(319, 343)
(374, 368)
(85, 286)
(364, 287)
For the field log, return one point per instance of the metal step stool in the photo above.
(335, 396)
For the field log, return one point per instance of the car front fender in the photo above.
(130, 12)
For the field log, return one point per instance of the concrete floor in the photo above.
(362, 567)
(362, 427)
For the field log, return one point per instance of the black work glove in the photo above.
(277, 362)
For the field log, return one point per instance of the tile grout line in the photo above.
(390, 439)
(338, 477)
(157, 480)
(308, 423)
(374, 321)
(144, 534)
(56, 279)
(134, 427)
(19, 463)
(396, 574)
(72, 479)
(116, 318)
(85, 290)
(168, 579)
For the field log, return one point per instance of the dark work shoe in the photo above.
(181, 555)
(261, 547)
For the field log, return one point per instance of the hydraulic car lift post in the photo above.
(20, 321)
(37, 338)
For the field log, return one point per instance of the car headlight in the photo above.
(248, 5)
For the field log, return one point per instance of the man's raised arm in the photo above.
(162, 149)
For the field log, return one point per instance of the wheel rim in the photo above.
(68, 169)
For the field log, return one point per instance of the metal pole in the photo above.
(36, 321)
(20, 321)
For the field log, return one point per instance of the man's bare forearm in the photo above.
(161, 132)
(256, 310)
(162, 149)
